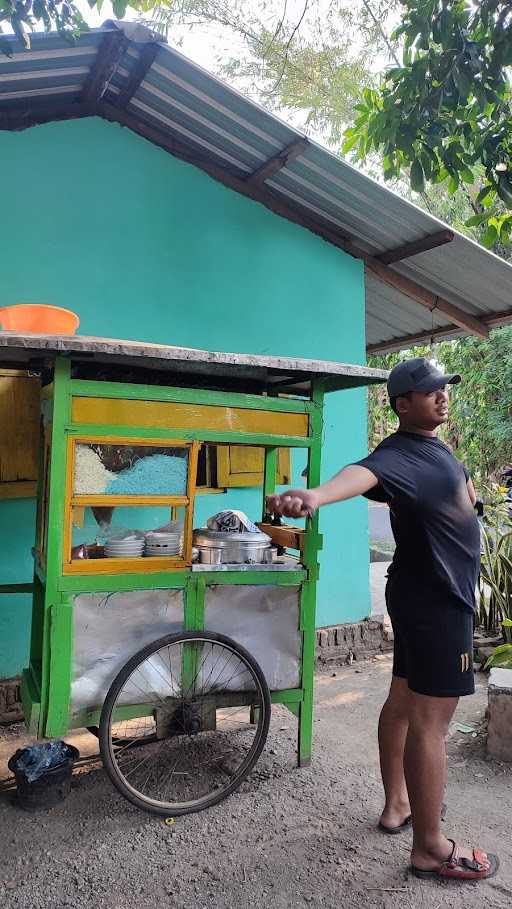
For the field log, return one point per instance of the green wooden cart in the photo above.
(175, 663)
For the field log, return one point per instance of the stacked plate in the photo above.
(127, 548)
(163, 543)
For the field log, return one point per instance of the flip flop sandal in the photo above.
(392, 831)
(459, 868)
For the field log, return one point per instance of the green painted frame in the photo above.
(46, 685)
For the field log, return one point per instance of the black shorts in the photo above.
(433, 634)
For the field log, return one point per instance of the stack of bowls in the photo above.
(127, 548)
(163, 543)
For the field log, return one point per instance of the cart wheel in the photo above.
(175, 729)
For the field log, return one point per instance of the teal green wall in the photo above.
(146, 247)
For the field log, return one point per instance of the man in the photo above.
(431, 600)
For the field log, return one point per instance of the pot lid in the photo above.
(205, 537)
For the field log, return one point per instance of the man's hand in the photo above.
(294, 503)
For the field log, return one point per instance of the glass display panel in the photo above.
(127, 532)
(129, 470)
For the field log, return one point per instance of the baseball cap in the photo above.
(418, 374)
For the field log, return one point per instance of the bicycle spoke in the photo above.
(196, 745)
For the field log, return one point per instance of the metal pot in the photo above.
(217, 547)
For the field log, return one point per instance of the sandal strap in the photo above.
(479, 864)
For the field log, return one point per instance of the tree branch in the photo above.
(381, 30)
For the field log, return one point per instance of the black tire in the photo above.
(107, 743)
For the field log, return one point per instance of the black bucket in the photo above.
(50, 789)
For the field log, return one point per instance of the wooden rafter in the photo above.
(277, 162)
(44, 113)
(438, 334)
(431, 241)
(109, 53)
(426, 298)
(139, 72)
(406, 341)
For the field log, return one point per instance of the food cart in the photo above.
(171, 652)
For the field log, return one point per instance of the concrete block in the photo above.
(323, 638)
(499, 739)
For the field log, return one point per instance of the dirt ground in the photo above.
(288, 838)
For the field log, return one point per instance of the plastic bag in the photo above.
(34, 760)
(231, 521)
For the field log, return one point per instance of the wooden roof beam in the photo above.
(36, 113)
(407, 341)
(494, 321)
(431, 241)
(110, 51)
(426, 298)
(139, 72)
(277, 162)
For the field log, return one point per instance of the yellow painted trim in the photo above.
(123, 566)
(163, 415)
(128, 566)
(107, 501)
(209, 491)
(78, 516)
(132, 440)
(189, 513)
(68, 517)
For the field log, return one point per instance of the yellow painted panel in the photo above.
(162, 415)
(124, 566)
(243, 465)
(19, 420)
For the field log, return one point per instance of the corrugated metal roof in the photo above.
(220, 126)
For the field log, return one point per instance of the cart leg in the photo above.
(305, 732)
(253, 715)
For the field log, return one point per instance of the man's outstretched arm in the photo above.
(298, 503)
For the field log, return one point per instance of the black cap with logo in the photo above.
(418, 374)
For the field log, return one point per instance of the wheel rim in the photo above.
(201, 726)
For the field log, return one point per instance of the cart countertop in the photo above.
(289, 373)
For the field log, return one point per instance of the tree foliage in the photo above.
(445, 115)
(480, 425)
(308, 58)
(25, 16)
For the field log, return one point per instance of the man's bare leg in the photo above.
(425, 772)
(393, 726)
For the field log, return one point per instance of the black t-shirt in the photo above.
(435, 527)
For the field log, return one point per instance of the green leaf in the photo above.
(490, 237)
(477, 220)
(484, 192)
(467, 175)
(502, 657)
(119, 8)
(505, 233)
(445, 28)
(349, 143)
(417, 177)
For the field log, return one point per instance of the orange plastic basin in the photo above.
(39, 318)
